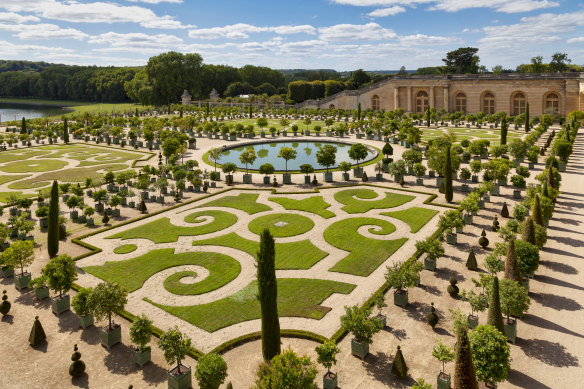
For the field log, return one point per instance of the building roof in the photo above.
(186, 94)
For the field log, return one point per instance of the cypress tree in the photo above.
(495, 318)
(511, 266)
(267, 295)
(504, 128)
(37, 333)
(359, 112)
(544, 190)
(471, 262)
(53, 229)
(65, 131)
(528, 234)
(399, 367)
(536, 209)
(550, 177)
(448, 195)
(464, 371)
(23, 126)
(428, 117)
(526, 117)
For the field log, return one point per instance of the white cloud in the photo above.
(43, 31)
(11, 17)
(303, 29)
(96, 12)
(576, 40)
(242, 31)
(383, 12)
(355, 32)
(156, 1)
(136, 40)
(507, 6)
(8, 49)
(428, 40)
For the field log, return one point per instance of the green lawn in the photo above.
(132, 273)
(353, 205)
(314, 204)
(5, 196)
(365, 254)
(67, 175)
(19, 155)
(163, 231)
(5, 179)
(246, 202)
(415, 217)
(33, 166)
(294, 255)
(297, 297)
(295, 224)
(125, 249)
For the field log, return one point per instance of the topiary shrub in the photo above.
(77, 368)
(37, 333)
(495, 226)
(105, 219)
(402, 183)
(5, 304)
(483, 241)
(399, 367)
(211, 371)
(229, 385)
(142, 207)
(505, 211)
(471, 262)
(364, 177)
(432, 317)
(453, 288)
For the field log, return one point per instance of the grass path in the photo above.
(415, 217)
(314, 204)
(350, 198)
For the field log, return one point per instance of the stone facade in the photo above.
(186, 98)
(559, 93)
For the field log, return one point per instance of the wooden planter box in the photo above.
(182, 381)
(359, 349)
(247, 179)
(511, 330)
(327, 177)
(60, 305)
(85, 321)
(451, 238)
(429, 264)
(41, 293)
(382, 319)
(472, 321)
(142, 357)
(443, 381)
(358, 172)
(400, 298)
(111, 337)
(287, 179)
(329, 380)
(21, 281)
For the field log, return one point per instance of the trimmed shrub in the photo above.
(77, 368)
(453, 288)
(399, 367)
(37, 333)
(432, 317)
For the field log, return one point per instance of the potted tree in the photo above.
(326, 156)
(345, 167)
(41, 290)
(379, 302)
(211, 371)
(360, 323)
(229, 168)
(465, 176)
(140, 334)
(478, 303)
(433, 249)
(266, 169)
(519, 183)
(448, 221)
(419, 171)
(20, 254)
(514, 301)
(327, 353)
(443, 354)
(400, 277)
(80, 304)
(358, 152)
(490, 354)
(306, 168)
(88, 212)
(175, 346)
(248, 157)
(60, 273)
(43, 213)
(287, 153)
(475, 168)
(105, 300)
(470, 205)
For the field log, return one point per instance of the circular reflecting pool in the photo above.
(267, 152)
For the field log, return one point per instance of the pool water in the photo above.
(305, 153)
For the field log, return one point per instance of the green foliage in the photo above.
(314, 204)
(287, 153)
(175, 346)
(514, 298)
(442, 353)
(415, 217)
(400, 276)
(453, 288)
(421, 384)
(141, 331)
(399, 367)
(432, 317)
(432, 247)
(464, 370)
(495, 318)
(19, 254)
(358, 152)
(448, 194)
(536, 211)
(211, 371)
(37, 333)
(60, 273)
(267, 295)
(327, 354)
(77, 368)
(326, 156)
(286, 371)
(478, 302)
(360, 323)
(5, 304)
(80, 302)
(490, 354)
(53, 228)
(540, 236)
(511, 266)
(107, 299)
(471, 262)
(528, 234)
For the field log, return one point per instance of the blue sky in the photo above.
(332, 34)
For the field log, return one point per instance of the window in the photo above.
(375, 103)
(489, 103)
(461, 102)
(552, 104)
(421, 102)
(518, 104)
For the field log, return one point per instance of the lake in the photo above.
(9, 111)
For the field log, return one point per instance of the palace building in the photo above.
(552, 93)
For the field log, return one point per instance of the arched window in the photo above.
(489, 103)
(518, 104)
(461, 102)
(375, 103)
(552, 104)
(421, 102)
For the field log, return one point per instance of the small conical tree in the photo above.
(495, 317)
(495, 226)
(432, 317)
(511, 266)
(53, 229)
(364, 177)
(550, 177)
(536, 209)
(528, 234)
(142, 207)
(448, 194)
(267, 295)
(505, 211)
(5, 304)
(544, 190)
(399, 367)
(471, 262)
(37, 333)
(464, 371)
(77, 368)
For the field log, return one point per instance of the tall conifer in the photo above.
(511, 266)
(53, 228)
(536, 210)
(464, 371)
(65, 131)
(495, 317)
(448, 176)
(504, 128)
